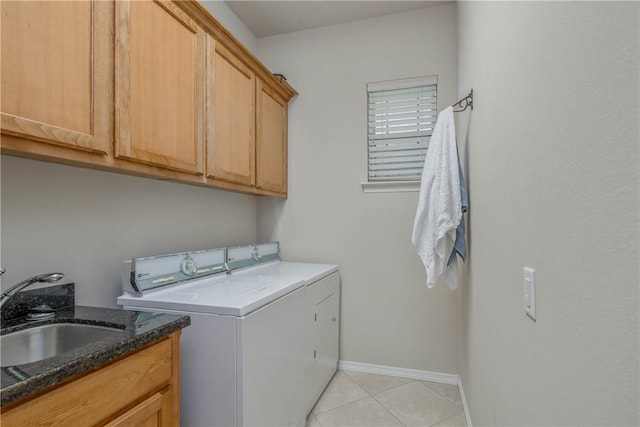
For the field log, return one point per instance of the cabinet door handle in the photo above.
(334, 318)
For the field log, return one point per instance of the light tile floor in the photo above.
(358, 399)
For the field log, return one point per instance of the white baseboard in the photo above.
(413, 374)
(467, 415)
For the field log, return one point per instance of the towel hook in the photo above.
(465, 102)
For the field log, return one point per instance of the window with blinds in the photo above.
(401, 116)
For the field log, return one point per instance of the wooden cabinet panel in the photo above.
(159, 86)
(153, 88)
(146, 414)
(95, 398)
(55, 78)
(231, 118)
(271, 142)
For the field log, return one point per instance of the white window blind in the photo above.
(401, 116)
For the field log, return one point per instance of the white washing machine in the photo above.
(249, 357)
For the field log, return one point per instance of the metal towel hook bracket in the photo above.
(464, 103)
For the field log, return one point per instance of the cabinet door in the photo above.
(159, 86)
(324, 300)
(55, 78)
(231, 121)
(90, 399)
(146, 414)
(326, 352)
(271, 143)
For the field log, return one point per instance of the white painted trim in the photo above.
(467, 414)
(403, 83)
(414, 374)
(390, 186)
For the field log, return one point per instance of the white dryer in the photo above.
(263, 340)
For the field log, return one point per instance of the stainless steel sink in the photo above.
(45, 341)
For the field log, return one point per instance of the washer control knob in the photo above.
(189, 266)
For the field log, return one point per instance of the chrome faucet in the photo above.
(42, 278)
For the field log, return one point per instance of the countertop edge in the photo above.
(23, 389)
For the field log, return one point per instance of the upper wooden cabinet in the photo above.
(159, 86)
(55, 85)
(271, 143)
(231, 120)
(156, 88)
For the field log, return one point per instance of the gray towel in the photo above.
(460, 246)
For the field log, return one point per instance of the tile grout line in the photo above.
(447, 419)
(382, 391)
(395, 387)
(341, 405)
(388, 410)
(429, 388)
(460, 405)
(424, 383)
(357, 400)
(371, 396)
(410, 381)
(443, 396)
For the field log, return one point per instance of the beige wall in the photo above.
(85, 223)
(553, 179)
(388, 315)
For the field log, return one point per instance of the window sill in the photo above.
(390, 186)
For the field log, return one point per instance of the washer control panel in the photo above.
(249, 255)
(153, 272)
(147, 274)
(188, 266)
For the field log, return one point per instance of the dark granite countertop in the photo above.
(139, 328)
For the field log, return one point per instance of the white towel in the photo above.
(439, 207)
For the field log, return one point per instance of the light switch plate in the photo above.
(530, 292)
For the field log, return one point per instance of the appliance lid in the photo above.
(237, 294)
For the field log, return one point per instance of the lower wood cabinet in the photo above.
(147, 413)
(141, 389)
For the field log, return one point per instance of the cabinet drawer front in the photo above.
(100, 394)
